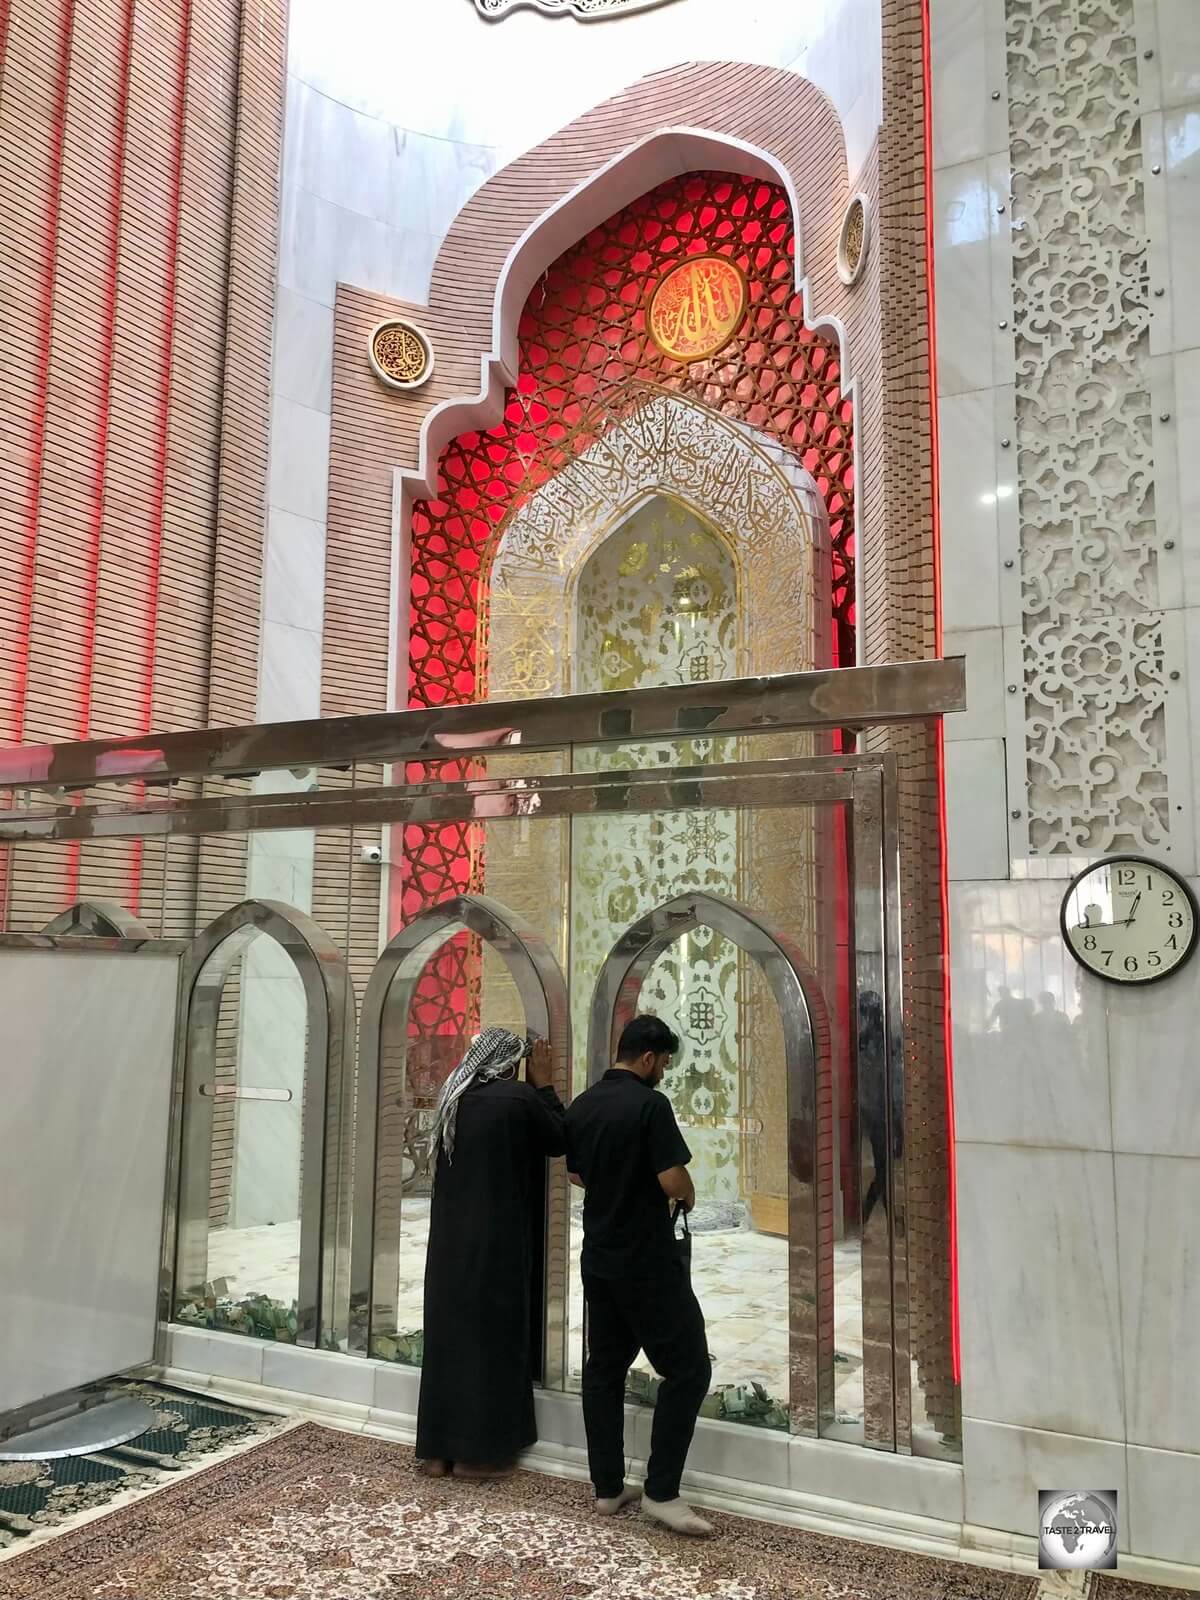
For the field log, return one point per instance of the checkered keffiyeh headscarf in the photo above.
(494, 1053)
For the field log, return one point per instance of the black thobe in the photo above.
(486, 1227)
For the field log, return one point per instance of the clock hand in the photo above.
(1128, 923)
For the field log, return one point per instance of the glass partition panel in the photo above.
(514, 916)
(252, 1282)
(267, 992)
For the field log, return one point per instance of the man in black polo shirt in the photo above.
(625, 1150)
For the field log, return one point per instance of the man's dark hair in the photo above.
(644, 1034)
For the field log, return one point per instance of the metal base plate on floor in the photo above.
(94, 1427)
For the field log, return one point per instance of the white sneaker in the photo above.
(678, 1516)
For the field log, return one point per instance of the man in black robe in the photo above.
(493, 1134)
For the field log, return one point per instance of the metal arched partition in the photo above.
(382, 1107)
(326, 1117)
(810, 1111)
(96, 919)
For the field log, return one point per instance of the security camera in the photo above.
(371, 854)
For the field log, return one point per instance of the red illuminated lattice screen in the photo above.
(583, 336)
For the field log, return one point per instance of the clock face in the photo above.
(1130, 920)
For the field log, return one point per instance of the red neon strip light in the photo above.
(41, 401)
(935, 490)
(5, 13)
(5, 853)
(108, 358)
(162, 432)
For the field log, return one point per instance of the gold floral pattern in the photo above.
(657, 603)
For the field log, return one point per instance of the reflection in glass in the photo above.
(252, 1282)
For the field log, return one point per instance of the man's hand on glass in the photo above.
(539, 1069)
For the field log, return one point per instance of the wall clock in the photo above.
(1130, 920)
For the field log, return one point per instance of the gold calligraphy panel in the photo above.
(698, 307)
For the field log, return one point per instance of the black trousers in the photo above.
(662, 1317)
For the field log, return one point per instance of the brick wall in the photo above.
(140, 142)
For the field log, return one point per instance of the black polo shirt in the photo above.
(621, 1134)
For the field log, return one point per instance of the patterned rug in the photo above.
(320, 1515)
(38, 1495)
(1107, 1587)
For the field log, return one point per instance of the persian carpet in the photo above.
(1108, 1587)
(321, 1515)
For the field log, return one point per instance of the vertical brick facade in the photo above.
(141, 145)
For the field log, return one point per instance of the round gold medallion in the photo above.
(400, 354)
(698, 307)
(853, 241)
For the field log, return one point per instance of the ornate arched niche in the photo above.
(599, 413)
(676, 545)
(651, 442)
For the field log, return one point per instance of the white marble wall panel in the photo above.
(959, 68)
(983, 649)
(1164, 1491)
(969, 500)
(964, 220)
(1180, 161)
(290, 685)
(303, 369)
(281, 869)
(877, 1478)
(1078, 1127)
(1158, 1202)
(431, 179)
(295, 574)
(974, 383)
(299, 459)
(1004, 1467)
(976, 802)
(1186, 365)
(1039, 1293)
(1155, 1084)
(324, 244)
(1031, 1049)
(1178, 51)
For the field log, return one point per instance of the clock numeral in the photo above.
(1175, 920)
(1126, 877)
(1131, 964)
(1154, 958)
(1172, 943)
(1168, 897)
(1089, 941)
(1108, 955)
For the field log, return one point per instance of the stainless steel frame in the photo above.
(851, 698)
(327, 1114)
(476, 799)
(810, 1112)
(383, 1106)
(845, 697)
(105, 919)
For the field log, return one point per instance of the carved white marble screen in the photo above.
(88, 1043)
(1097, 650)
